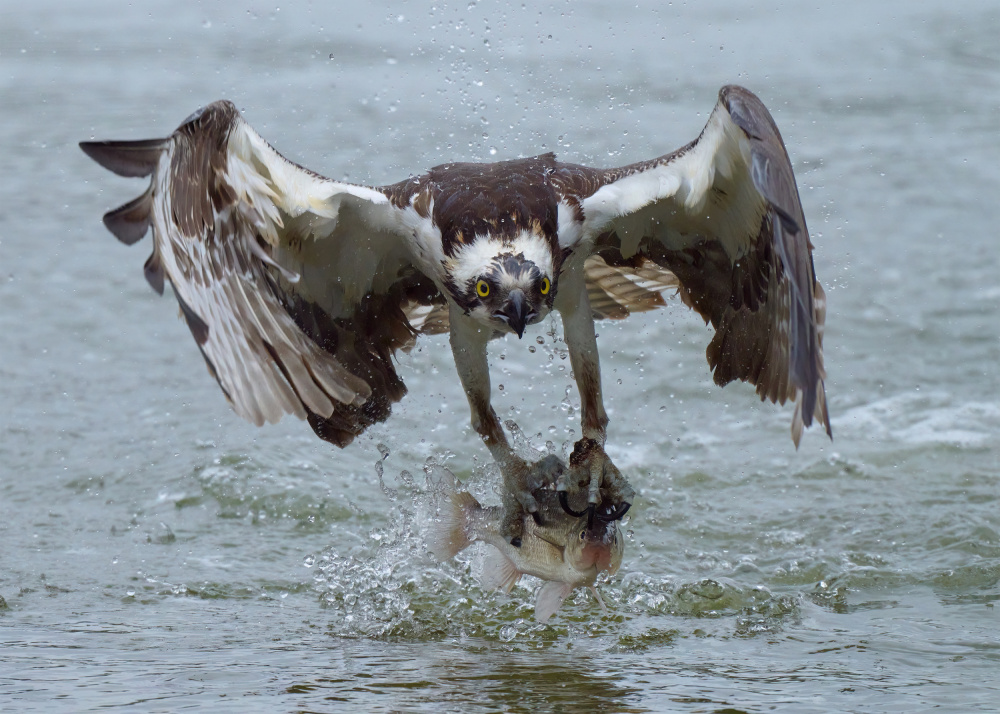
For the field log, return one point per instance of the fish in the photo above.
(563, 550)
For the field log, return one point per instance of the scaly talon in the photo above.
(606, 487)
(596, 481)
(564, 502)
(615, 513)
(520, 480)
(516, 496)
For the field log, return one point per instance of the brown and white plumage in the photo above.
(299, 289)
(225, 209)
(723, 215)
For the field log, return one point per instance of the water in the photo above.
(158, 552)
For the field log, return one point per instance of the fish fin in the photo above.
(600, 600)
(550, 598)
(449, 529)
(499, 572)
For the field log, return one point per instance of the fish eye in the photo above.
(482, 288)
(546, 286)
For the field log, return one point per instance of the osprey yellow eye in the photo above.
(545, 286)
(482, 289)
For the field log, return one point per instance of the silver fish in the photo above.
(560, 549)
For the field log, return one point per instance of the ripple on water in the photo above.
(925, 418)
(243, 487)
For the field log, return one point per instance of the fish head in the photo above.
(590, 545)
(585, 549)
(600, 547)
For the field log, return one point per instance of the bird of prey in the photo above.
(299, 289)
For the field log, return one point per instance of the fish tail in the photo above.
(450, 530)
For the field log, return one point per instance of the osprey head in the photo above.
(505, 284)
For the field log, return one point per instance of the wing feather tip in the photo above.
(131, 159)
(199, 328)
(153, 270)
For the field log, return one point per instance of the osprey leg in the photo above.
(589, 462)
(468, 344)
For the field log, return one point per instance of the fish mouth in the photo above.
(597, 555)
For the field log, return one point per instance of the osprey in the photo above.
(299, 289)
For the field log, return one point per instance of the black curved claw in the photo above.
(616, 513)
(564, 502)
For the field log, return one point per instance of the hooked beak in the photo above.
(516, 312)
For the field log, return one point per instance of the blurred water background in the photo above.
(157, 552)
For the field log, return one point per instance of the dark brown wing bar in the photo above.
(130, 222)
(764, 303)
(132, 159)
(272, 349)
(773, 176)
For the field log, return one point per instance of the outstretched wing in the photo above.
(295, 287)
(723, 215)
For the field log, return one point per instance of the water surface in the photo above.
(155, 550)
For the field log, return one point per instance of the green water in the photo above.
(158, 554)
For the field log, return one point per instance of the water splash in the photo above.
(390, 493)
